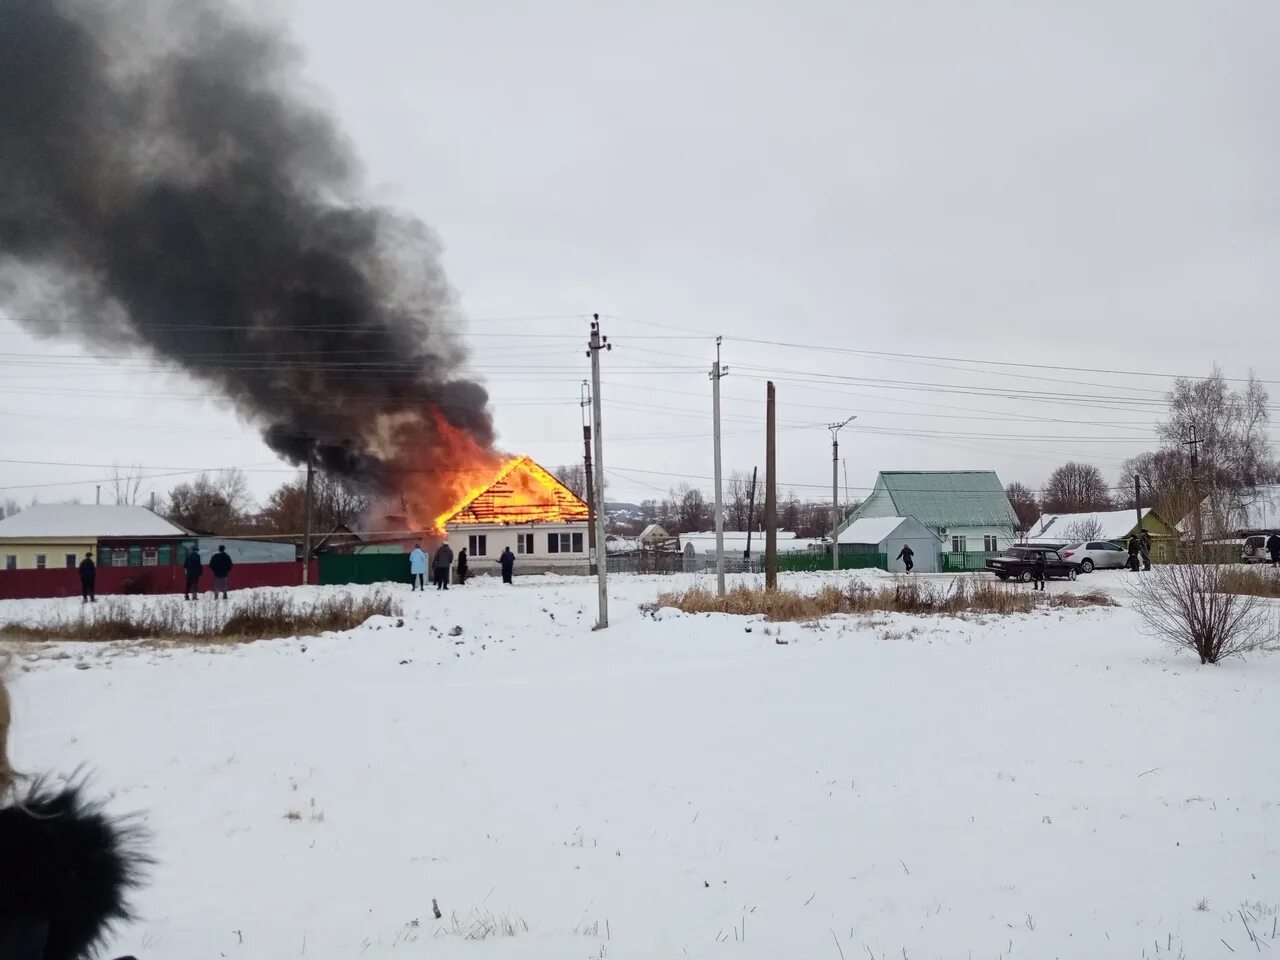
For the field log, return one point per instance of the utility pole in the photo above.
(1194, 443)
(306, 535)
(835, 489)
(770, 492)
(751, 513)
(1137, 500)
(597, 344)
(717, 373)
(592, 547)
(98, 499)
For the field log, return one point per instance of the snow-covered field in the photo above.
(1055, 785)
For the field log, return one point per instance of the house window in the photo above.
(150, 556)
(958, 545)
(71, 560)
(10, 561)
(478, 544)
(989, 544)
(41, 561)
(119, 556)
(564, 543)
(524, 543)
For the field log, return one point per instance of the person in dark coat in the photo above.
(1273, 548)
(906, 555)
(462, 566)
(88, 578)
(508, 564)
(67, 868)
(443, 561)
(194, 568)
(1135, 546)
(1037, 570)
(220, 565)
(1144, 549)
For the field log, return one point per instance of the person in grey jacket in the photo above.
(442, 563)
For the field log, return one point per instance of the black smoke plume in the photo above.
(164, 187)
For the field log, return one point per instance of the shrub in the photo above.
(1194, 607)
(252, 616)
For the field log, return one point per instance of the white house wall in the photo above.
(974, 538)
(499, 537)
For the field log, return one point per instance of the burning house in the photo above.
(527, 509)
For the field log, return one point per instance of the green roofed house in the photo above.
(966, 510)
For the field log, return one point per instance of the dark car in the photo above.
(1019, 563)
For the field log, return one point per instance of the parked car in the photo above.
(1019, 563)
(1096, 555)
(1255, 550)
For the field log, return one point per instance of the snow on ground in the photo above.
(1055, 785)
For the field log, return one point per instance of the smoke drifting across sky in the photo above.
(164, 187)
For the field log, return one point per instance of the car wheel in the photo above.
(1026, 576)
(1071, 574)
(1086, 566)
(1002, 576)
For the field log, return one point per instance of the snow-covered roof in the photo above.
(1106, 524)
(653, 531)
(870, 529)
(1252, 510)
(86, 520)
(735, 541)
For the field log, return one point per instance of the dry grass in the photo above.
(257, 616)
(483, 924)
(1252, 581)
(963, 595)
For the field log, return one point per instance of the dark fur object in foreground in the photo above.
(66, 871)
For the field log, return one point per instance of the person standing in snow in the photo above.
(88, 577)
(417, 568)
(1273, 548)
(1144, 549)
(194, 568)
(1134, 547)
(906, 555)
(68, 868)
(1037, 570)
(462, 567)
(220, 565)
(508, 563)
(443, 561)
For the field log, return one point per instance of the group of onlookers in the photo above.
(443, 565)
(220, 565)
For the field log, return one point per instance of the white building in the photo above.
(887, 536)
(967, 510)
(528, 510)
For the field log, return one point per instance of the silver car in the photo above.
(1097, 555)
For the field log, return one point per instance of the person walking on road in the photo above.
(1273, 548)
(462, 567)
(194, 568)
(1037, 570)
(417, 568)
(220, 565)
(508, 563)
(443, 562)
(906, 555)
(88, 576)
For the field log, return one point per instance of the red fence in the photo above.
(30, 584)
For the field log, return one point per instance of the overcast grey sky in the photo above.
(1087, 184)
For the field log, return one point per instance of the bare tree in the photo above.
(126, 484)
(1023, 500)
(211, 503)
(573, 476)
(1190, 606)
(690, 512)
(9, 508)
(1230, 425)
(1075, 488)
(1086, 528)
(743, 506)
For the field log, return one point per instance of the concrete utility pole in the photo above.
(835, 429)
(770, 492)
(597, 344)
(306, 535)
(592, 547)
(717, 373)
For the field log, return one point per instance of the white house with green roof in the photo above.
(966, 510)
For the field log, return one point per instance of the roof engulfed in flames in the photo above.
(522, 492)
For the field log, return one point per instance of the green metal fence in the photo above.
(959, 562)
(807, 562)
(337, 568)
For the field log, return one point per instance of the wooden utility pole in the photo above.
(751, 513)
(835, 429)
(1137, 500)
(592, 549)
(771, 491)
(1194, 443)
(306, 535)
(717, 373)
(595, 346)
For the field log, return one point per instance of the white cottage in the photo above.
(527, 509)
